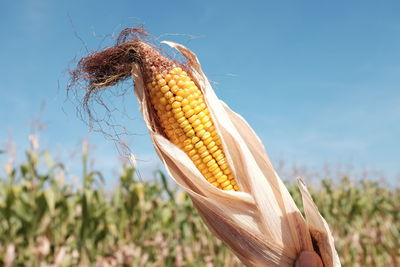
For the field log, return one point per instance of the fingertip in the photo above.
(309, 259)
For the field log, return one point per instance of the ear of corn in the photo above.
(186, 121)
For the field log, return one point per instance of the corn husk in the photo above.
(261, 223)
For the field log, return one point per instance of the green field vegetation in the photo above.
(45, 221)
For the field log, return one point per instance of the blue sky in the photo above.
(318, 80)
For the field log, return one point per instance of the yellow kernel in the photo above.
(179, 115)
(224, 166)
(225, 184)
(236, 187)
(217, 173)
(187, 142)
(207, 158)
(168, 77)
(215, 184)
(185, 102)
(201, 166)
(220, 156)
(164, 89)
(188, 147)
(161, 82)
(177, 70)
(228, 187)
(213, 167)
(199, 128)
(222, 179)
(176, 110)
(184, 124)
(197, 109)
(195, 157)
(216, 153)
(176, 141)
(171, 100)
(196, 123)
(222, 161)
(211, 180)
(174, 89)
(198, 161)
(168, 95)
(163, 100)
(201, 133)
(195, 139)
(191, 97)
(178, 98)
(182, 119)
(171, 83)
(183, 93)
(194, 103)
(187, 128)
(176, 104)
(208, 175)
(208, 124)
(194, 90)
(201, 115)
(204, 154)
(213, 149)
(190, 133)
(181, 84)
(182, 138)
(206, 135)
(189, 113)
(209, 142)
(199, 145)
(159, 77)
(211, 162)
(227, 171)
(205, 119)
(193, 118)
(201, 149)
(192, 152)
(186, 108)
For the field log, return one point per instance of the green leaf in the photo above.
(50, 200)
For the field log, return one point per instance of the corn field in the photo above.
(45, 221)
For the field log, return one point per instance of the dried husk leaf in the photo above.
(261, 223)
(319, 228)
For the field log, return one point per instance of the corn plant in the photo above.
(45, 220)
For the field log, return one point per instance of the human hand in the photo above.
(309, 259)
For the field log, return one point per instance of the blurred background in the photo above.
(318, 81)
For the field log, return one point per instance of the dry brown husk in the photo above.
(261, 223)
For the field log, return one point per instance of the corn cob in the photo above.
(186, 121)
(179, 105)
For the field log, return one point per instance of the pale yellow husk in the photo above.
(261, 223)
